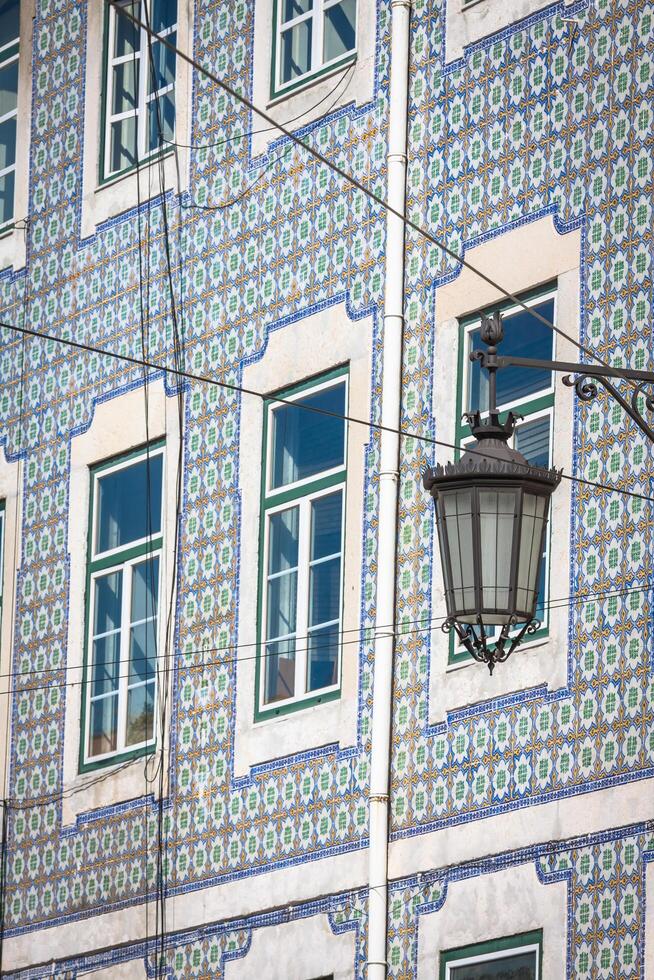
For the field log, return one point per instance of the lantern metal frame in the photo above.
(491, 463)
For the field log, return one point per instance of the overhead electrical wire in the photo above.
(427, 626)
(376, 426)
(356, 183)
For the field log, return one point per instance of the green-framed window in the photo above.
(302, 534)
(510, 958)
(311, 37)
(525, 391)
(9, 56)
(123, 584)
(138, 94)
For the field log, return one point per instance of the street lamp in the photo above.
(492, 506)
(491, 515)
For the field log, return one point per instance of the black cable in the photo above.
(377, 426)
(376, 198)
(428, 626)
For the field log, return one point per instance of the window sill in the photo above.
(539, 641)
(143, 167)
(273, 713)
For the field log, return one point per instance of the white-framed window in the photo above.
(527, 392)
(513, 959)
(301, 554)
(122, 606)
(138, 101)
(9, 57)
(311, 37)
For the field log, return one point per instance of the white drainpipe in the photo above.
(388, 493)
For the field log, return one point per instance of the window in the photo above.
(512, 958)
(526, 391)
(311, 36)
(301, 554)
(122, 595)
(9, 43)
(139, 86)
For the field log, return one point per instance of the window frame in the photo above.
(319, 69)
(106, 175)
(9, 53)
(532, 407)
(300, 493)
(493, 949)
(127, 556)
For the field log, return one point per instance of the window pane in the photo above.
(125, 86)
(161, 65)
(457, 518)
(532, 439)
(323, 658)
(520, 967)
(524, 336)
(326, 518)
(145, 582)
(340, 30)
(140, 714)
(106, 664)
(126, 34)
(103, 726)
(123, 513)
(107, 602)
(8, 142)
(280, 670)
(283, 540)
(308, 442)
(9, 21)
(293, 8)
(296, 50)
(122, 152)
(497, 524)
(6, 197)
(161, 120)
(164, 14)
(325, 591)
(282, 605)
(8, 88)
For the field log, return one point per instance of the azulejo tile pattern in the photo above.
(544, 118)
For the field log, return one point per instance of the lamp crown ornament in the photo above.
(492, 329)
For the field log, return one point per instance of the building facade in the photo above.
(237, 742)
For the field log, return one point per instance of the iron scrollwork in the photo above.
(485, 650)
(587, 390)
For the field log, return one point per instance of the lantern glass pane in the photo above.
(497, 510)
(457, 523)
(534, 515)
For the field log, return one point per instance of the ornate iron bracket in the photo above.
(485, 651)
(586, 387)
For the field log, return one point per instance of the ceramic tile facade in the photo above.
(552, 116)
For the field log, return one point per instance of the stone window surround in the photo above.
(13, 238)
(304, 348)
(508, 259)
(10, 491)
(469, 22)
(105, 438)
(309, 102)
(102, 201)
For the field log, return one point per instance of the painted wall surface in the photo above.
(547, 120)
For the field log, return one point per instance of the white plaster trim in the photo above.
(13, 240)
(103, 201)
(312, 100)
(303, 948)
(492, 906)
(117, 427)
(466, 23)
(11, 485)
(589, 813)
(302, 349)
(521, 259)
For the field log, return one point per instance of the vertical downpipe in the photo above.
(388, 492)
